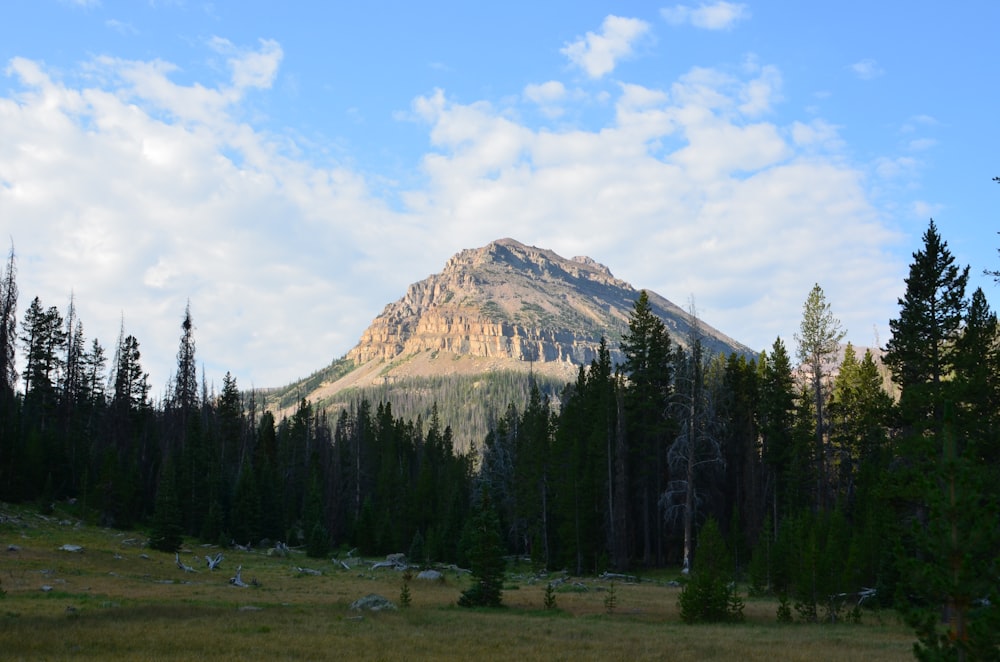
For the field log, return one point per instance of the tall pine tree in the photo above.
(647, 366)
(921, 351)
(819, 339)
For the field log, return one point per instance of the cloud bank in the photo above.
(136, 194)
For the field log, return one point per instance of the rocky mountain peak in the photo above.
(510, 302)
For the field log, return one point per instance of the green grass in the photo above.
(109, 602)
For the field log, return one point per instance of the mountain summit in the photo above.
(519, 303)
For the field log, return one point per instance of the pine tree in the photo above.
(268, 482)
(185, 396)
(948, 494)
(313, 520)
(955, 568)
(42, 455)
(583, 460)
(486, 557)
(777, 416)
(819, 338)
(247, 511)
(43, 338)
(710, 594)
(95, 362)
(230, 415)
(166, 533)
(742, 486)
(131, 383)
(921, 352)
(647, 350)
(859, 415)
(532, 456)
(977, 381)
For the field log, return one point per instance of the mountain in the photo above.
(492, 311)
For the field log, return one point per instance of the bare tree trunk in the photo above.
(689, 488)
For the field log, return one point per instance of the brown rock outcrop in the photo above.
(516, 302)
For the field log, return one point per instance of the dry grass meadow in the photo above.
(117, 600)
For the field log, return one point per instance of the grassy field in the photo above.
(116, 599)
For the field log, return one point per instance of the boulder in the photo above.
(431, 576)
(372, 602)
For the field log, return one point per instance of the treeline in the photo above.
(214, 466)
(822, 483)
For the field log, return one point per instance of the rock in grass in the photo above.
(71, 548)
(431, 576)
(372, 602)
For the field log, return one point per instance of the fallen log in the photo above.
(308, 571)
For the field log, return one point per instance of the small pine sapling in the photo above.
(404, 593)
(550, 596)
(611, 600)
(710, 594)
(784, 609)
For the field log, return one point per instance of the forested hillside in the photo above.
(822, 486)
(470, 403)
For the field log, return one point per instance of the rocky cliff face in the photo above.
(518, 303)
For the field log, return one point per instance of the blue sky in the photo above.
(290, 168)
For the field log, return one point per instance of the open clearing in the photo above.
(116, 599)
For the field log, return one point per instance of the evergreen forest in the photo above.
(832, 476)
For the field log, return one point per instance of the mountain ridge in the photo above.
(511, 300)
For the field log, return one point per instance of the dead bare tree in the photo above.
(213, 562)
(237, 580)
(697, 443)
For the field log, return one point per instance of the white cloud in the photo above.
(817, 133)
(546, 93)
(121, 27)
(547, 96)
(867, 69)
(923, 210)
(140, 193)
(138, 211)
(903, 167)
(717, 16)
(921, 144)
(251, 68)
(760, 93)
(599, 54)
